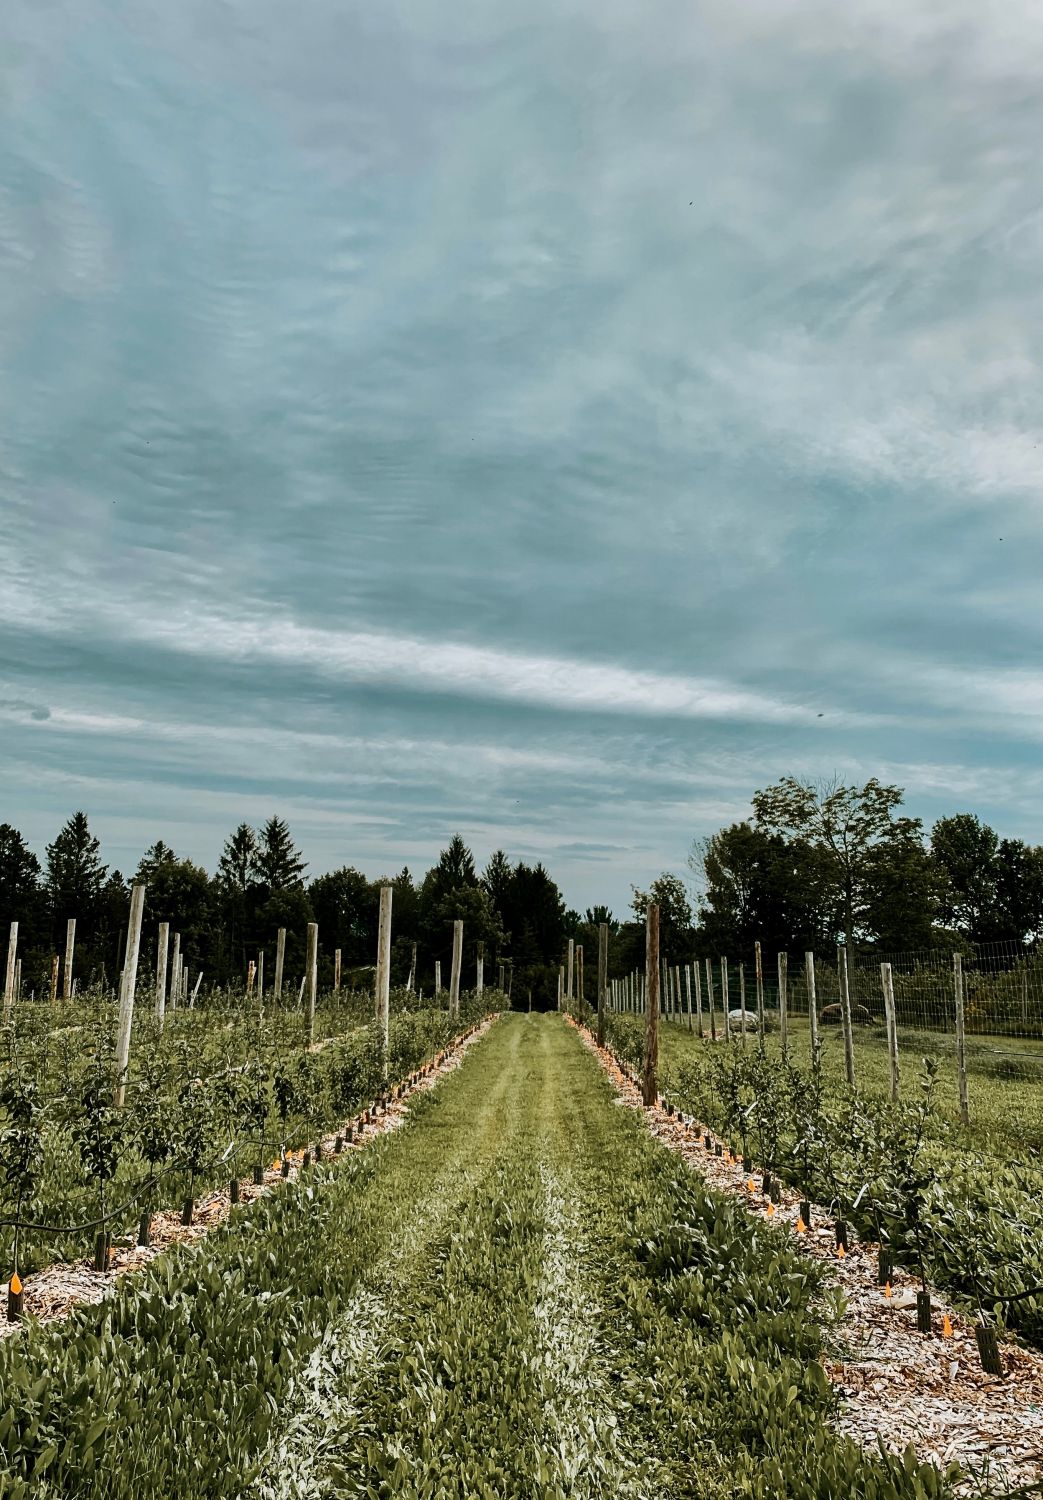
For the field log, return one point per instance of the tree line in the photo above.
(261, 884)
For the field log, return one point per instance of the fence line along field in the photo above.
(226, 1276)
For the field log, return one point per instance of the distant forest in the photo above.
(811, 866)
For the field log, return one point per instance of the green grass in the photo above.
(518, 1294)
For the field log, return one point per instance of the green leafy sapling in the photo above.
(98, 1134)
(21, 1147)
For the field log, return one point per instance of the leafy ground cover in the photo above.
(519, 1293)
(945, 1200)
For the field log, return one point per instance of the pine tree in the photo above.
(279, 862)
(19, 880)
(156, 858)
(75, 873)
(497, 878)
(237, 867)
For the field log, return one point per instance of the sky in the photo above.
(550, 422)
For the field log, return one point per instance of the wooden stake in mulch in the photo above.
(649, 1087)
(988, 1349)
(923, 1311)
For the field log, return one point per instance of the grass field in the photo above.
(519, 1293)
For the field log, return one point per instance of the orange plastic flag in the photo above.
(16, 1283)
(770, 1210)
(946, 1327)
(887, 1290)
(841, 1252)
(801, 1226)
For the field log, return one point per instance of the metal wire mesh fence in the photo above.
(977, 1014)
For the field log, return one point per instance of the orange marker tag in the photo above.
(841, 1252)
(946, 1327)
(887, 1290)
(16, 1283)
(770, 1210)
(801, 1226)
(750, 1187)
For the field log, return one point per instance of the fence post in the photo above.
(726, 1000)
(438, 976)
(845, 1012)
(54, 978)
(384, 970)
(688, 992)
(480, 975)
(70, 948)
(411, 981)
(580, 995)
(12, 951)
(260, 976)
(161, 972)
(758, 971)
(697, 976)
(128, 985)
(602, 979)
(280, 960)
(454, 977)
(312, 975)
(961, 1039)
(336, 971)
(809, 971)
(175, 972)
(709, 999)
(783, 969)
(568, 981)
(742, 1002)
(650, 1073)
(561, 985)
(887, 985)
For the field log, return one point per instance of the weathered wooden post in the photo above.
(688, 992)
(438, 976)
(454, 978)
(809, 972)
(961, 1039)
(758, 976)
(726, 1001)
(312, 976)
(709, 999)
(561, 985)
(336, 971)
(411, 981)
(501, 979)
(161, 971)
(384, 970)
(260, 975)
(887, 985)
(195, 992)
(480, 971)
(845, 1013)
(650, 1073)
(128, 986)
(742, 1003)
(251, 972)
(9, 976)
(580, 991)
(602, 979)
(70, 949)
(569, 979)
(175, 972)
(697, 977)
(783, 969)
(55, 965)
(280, 961)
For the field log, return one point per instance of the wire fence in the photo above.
(978, 1014)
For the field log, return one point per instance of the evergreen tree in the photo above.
(75, 873)
(496, 878)
(237, 867)
(19, 883)
(279, 862)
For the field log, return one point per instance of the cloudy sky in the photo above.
(551, 421)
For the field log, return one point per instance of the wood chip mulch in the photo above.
(895, 1384)
(53, 1292)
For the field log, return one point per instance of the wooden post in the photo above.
(251, 970)
(709, 999)
(12, 953)
(809, 973)
(568, 982)
(501, 979)
(688, 992)
(411, 981)
(480, 971)
(742, 1003)
(18, 979)
(602, 979)
(961, 1039)
(55, 965)
(758, 973)
(280, 960)
(300, 992)
(128, 985)
(195, 992)
(336, 971)
(887, 985)
(384, 969)
(580, 990)
(175, 971)
(697, 976)
(454, 978)
(438, 976)
(650, 1073)
(845, 1013)
(783, 966)
(725, 1001)
(70, 949)
(161, 971)
(260, 975)
(561, 985)
(312, 976)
